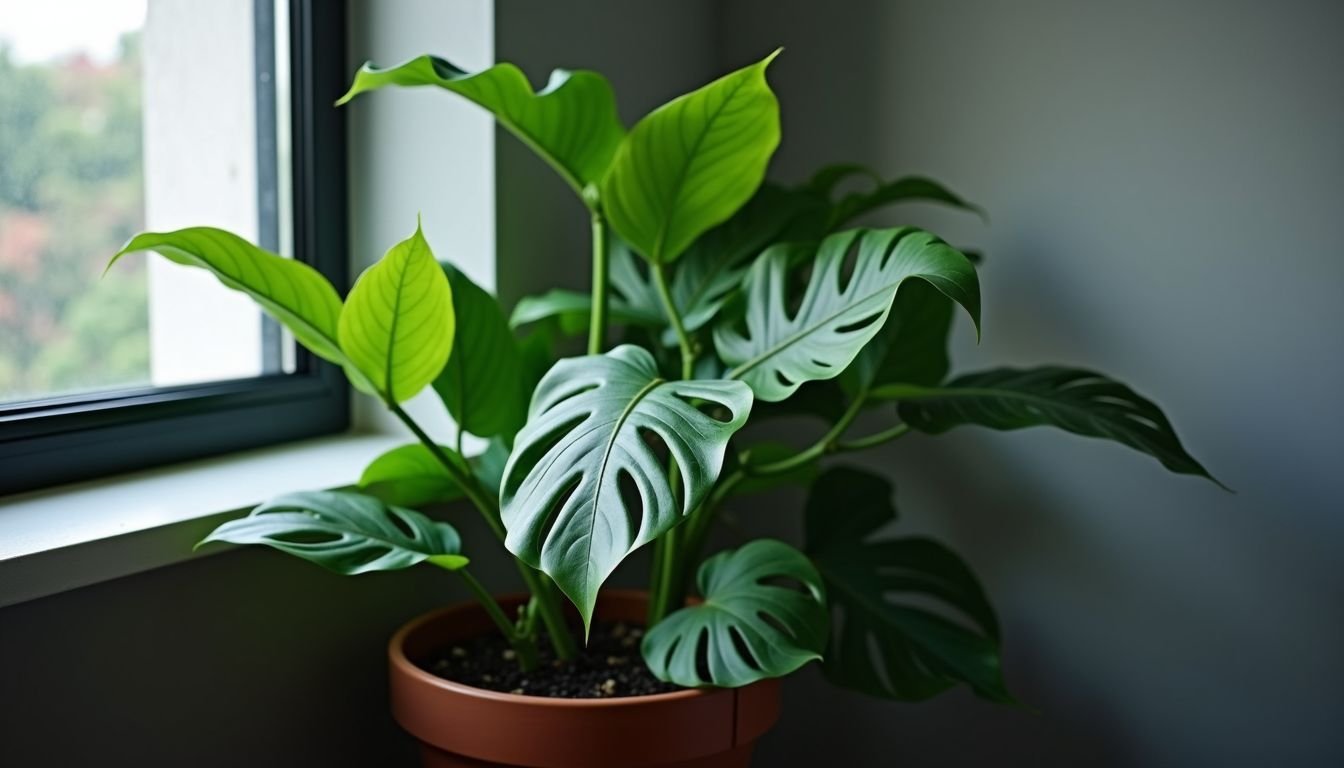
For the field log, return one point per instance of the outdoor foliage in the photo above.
(753, 300)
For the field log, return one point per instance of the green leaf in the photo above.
(886, 641)
(398, 323)
(411, 476)
(570, 310)
(749, 627)
(572, 123)
(710, 273)
(480, 385)
(910, 189)
(585, 485)
(912, 346)
(292, 292)
(838, 313)
(344, 532)
(692, 162)
(1075, 400)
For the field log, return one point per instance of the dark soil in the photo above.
(611, 666)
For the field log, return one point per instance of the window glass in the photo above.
(118, 116)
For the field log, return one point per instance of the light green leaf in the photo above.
(397, 326)
(572, 123)
(585, 487)
(839, 311)
(481, 384)
(344, 532)
(887, 641)
(749, 627)
(692, 162)
(292, 292)
(411, 476)
(1075, 400)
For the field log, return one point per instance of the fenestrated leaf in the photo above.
(886, 641)
(838, 314)
(345, 532)
(691, 163)
(292, 292)
(585, 487)
(411, 476)
(572, 123)
(480, 385)
(397, 325)
(711, 270)
(1075, 400)
(750, 626)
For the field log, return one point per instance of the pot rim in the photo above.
(399, 659)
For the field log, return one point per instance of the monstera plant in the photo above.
(719, 303)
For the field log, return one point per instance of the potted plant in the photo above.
(737, 302)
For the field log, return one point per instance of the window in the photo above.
(123, 115)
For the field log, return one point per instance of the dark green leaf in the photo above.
(572, 123)
(910, 189)
(884, 643)
(749, 627)
(411, 476)
(692, 162)
(397, 326)
(912, 346)
(838, 314)
(345, 532)
(589, 431)
(1077, 401)
(481, 384)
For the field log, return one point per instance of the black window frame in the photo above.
(65, 439)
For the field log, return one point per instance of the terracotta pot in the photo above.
(463, 727)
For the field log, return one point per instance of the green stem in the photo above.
(875, 439)
(697, 531)
(547, 601)
(826, 444)
(673, 316)
(524, 645)
(597, 323)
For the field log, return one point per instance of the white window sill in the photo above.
(74, 535)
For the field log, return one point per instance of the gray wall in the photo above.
(1165, 183)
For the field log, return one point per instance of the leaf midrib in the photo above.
(661, 241)
(602, 470)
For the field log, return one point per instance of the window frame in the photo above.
(65, 439)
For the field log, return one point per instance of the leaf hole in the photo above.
(530, 454)
(782, 379)
(784, 582)
(740, 645)
(848, 266)
(557, 505)
(632, 503)
(702, 656)
(860, 324)
(775, 624)
(655, 443)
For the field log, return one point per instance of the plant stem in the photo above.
(522, 643)
(673, 316)
(547, 602)
(597, 323)
(875, 439)
(826, 444)
(695, 532)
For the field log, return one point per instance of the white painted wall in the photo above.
(200, 169)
